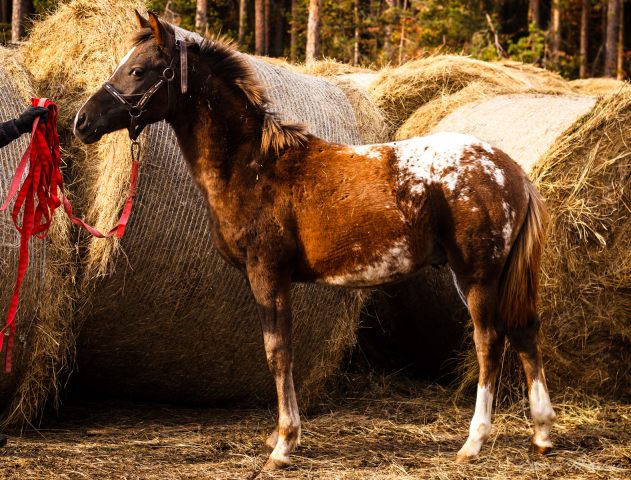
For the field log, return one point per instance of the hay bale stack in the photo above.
(43, 337)
(167, 318)
(402, 90)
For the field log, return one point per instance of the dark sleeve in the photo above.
(8, 132)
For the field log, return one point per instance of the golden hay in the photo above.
(385, 430)
(535, 77)
(328, 67)
(585, 301)
(402, 90)
(597, 86)
(167, 319)
(44, 336)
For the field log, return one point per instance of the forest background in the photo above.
(577, 38)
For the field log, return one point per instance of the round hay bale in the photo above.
(43, 338)
(167, 318)
(402, 90)
(585, 298)
(597, 86)
(521, 124)
(425, 118)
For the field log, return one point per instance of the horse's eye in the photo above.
(137, 72)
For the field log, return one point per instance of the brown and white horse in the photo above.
(286, 207)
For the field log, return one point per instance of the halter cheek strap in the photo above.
(136, 110)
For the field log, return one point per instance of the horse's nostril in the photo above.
(81, 121)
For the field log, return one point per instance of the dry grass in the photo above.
(328, 67)
(597, 86)
(388, 431)
(402, 90)
(66, 62)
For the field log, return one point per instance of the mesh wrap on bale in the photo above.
(169, 319)
(43, 336)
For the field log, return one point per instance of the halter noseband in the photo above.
(136, 110)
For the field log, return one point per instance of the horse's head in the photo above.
(141, 89)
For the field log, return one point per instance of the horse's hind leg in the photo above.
(489, 342)
(524, 339)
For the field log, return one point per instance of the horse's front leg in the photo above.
(272, 297)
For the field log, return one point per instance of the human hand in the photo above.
(24, 122)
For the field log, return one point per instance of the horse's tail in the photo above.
(519, 283)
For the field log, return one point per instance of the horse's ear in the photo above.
(141, 21)
(160, 33)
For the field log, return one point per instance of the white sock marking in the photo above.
(542, 413)
(480, 427)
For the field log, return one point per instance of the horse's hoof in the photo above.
(541, 449)
(3, 440)
(272, 440)
(465, 457)
(275, 464)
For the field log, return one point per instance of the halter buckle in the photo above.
(168, 74)
(135, 111)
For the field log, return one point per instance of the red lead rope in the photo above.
(38, 199)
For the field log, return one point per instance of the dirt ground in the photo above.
(392, 430)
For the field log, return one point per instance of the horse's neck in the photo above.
(218, 143)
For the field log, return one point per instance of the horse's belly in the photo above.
(366, 262)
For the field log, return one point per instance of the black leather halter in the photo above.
(136, 110)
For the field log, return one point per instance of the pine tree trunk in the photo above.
(555, 32)
(293, 47)
(584, 38)
(611, 44)
(259, 27)
(534, 15)
(243, 20)
(357, 32)
(267, 8)
(313, 31)
(388, 48)
(17, 20)
(620, 75)
(279, 29)
(201, 16)
(402, 41)
(5, 11)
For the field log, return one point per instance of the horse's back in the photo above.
(371, 214)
